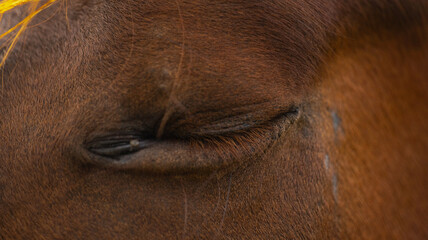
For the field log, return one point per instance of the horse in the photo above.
(194, 119)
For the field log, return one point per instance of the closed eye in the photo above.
(194, 152)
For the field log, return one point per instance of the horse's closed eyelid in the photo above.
(195, 154)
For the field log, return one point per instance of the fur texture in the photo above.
(270, 120)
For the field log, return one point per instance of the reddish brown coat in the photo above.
(323, 104)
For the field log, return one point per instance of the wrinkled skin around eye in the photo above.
(187, 73)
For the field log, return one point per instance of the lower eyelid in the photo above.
(162, 157)
(180, 157)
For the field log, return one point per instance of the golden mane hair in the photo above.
(34, 9)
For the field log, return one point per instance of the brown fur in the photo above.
(350, 165)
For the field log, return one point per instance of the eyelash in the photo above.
(231, 145)
(244, 142)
